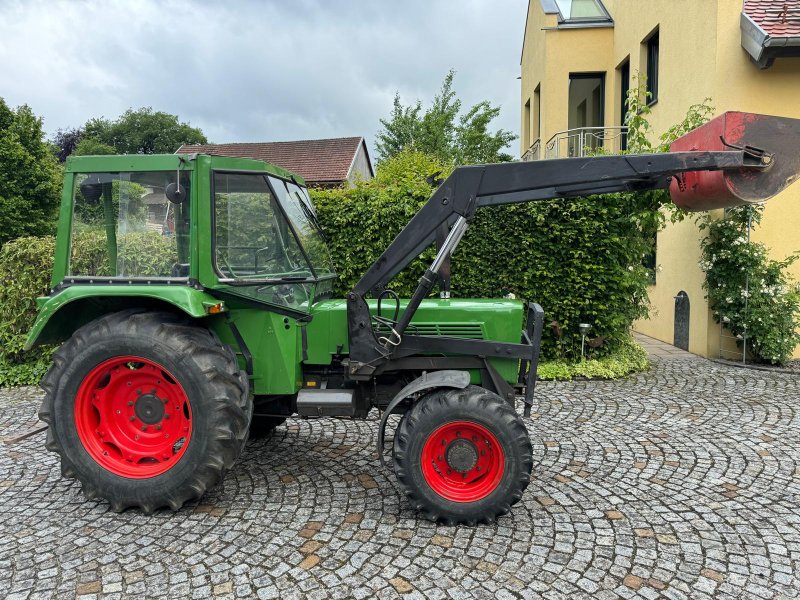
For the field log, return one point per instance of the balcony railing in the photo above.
(578, 142)
(532, 152)
(585, 141)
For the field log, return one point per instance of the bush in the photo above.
(629, 357)
(26, 265)
(747, 291)
(25, 268)
(580, 259)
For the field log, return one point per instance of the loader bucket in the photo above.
(708, 190)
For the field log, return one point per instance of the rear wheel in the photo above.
(462, 456)
(145, 409)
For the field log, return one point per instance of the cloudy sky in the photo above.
(248, 70)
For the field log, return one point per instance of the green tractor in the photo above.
(193, 298)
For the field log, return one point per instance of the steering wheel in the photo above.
(227, 265)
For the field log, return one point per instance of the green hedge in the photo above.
(26, 265)
(580, 259)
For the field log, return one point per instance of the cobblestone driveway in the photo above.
(683, 482)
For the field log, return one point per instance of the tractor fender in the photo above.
(427, 381)
(61, 313)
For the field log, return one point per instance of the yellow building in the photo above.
(578, 61)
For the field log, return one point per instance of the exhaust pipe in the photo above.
(776, 140)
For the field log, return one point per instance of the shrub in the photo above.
(26, 265)
(747, 291)
(629, 357)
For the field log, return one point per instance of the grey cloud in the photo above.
(248, 70)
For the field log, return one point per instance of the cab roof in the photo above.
(168, 162)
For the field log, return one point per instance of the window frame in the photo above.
(624, 72)
(653, 57)
(70, 279)
(226, 280)
(585, 20)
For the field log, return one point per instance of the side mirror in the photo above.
(175, 193)
(91, 189)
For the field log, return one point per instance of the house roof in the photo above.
(770, 29)
(778, 18)
(324, 161)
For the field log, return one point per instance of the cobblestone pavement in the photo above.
(680, 483)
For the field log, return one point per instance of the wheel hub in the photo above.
(149, 408)
(462, 455)
(133, 417)
(462, 461)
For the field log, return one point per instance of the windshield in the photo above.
(297, 205)
(253, 239)
(267, 240)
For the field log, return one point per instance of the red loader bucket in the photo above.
(708, 190)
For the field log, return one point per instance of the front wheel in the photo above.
(462, 456)
(145, 409)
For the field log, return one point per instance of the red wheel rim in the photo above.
(133, 417)
(462, 461)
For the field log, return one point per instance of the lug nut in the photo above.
(139, 392)
(144, 427)
(158, 427)
(166, 415)
(477, 468)
(131, 418)
(130, 402)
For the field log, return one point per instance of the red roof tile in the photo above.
(317, 161)
(779, 18)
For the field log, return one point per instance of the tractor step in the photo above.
(326, 403)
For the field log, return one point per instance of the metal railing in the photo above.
(585, 141)
(533, 152)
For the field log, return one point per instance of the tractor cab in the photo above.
(233, 225)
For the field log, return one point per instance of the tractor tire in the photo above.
(261, 427)
(462, 456)
(145, 409)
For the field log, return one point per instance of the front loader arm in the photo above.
(469, 188)
(454, 204)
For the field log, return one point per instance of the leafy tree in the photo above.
(143, 131)
(65, 142)
(92, 147)
(30, 178)
(441, 132)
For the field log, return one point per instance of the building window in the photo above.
(582, 11)
(537, 113)
(586, 113)
(652, 68)
(624, 74)
(526, 125)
